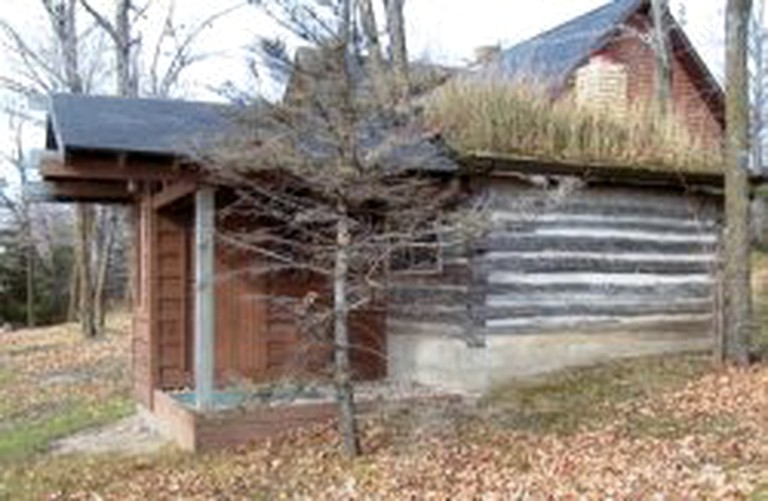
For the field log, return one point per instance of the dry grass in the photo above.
(511, 119)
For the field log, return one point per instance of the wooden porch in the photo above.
(201, 321)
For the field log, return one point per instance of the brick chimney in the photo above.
(486, 53)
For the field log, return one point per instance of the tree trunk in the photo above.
(109, 225)
(83, 260)
(127, 83)
(31, 251)
(64, 22)
(398, 48)
(74, 288)
(65, 27)
(663, 74)
(738, 297)
(376, 59)
(342, 376)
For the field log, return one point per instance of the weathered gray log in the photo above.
(596, 265)
(531, 243)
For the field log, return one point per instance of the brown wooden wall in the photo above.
(257, 338)
(173, 299)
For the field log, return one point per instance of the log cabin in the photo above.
(631, 250)
(625, 264)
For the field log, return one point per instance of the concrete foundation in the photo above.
(448, 362)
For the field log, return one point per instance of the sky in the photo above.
(442, 31)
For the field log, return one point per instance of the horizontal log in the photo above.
(520, 312)
(612, 207)
(591, 309)
(623, 234)
(532, 265)
(694, 324)
(452, 315)
(81, 191)
(600, 290)
(427, 297)
(596, 219)
(620, 279)
(106, 170)
(575, 243)
(560, 298)
(523, 224)
(635, 197)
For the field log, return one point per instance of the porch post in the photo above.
(204, 297)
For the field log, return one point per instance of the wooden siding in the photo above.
(257, 337)
(173, 299)
(603, 257)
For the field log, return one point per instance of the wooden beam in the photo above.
(173, 193)
(499, 165)
(81, 191)
(102, 170)
(205, 207)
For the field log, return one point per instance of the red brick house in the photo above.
(605, 56)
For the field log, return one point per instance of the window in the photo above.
(420, 256)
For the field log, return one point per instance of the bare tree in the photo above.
(164, 73)
(398, 47)
(339, 185)
(374, 51)
(21, 210)
(120, 33)
(175, 50)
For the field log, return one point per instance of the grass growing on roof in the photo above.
(511, 119)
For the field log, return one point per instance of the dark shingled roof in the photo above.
(185, 128)
(552, 56)
(149, 126)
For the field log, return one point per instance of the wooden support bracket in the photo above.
(173, 193)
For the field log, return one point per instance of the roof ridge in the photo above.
(631, 5)
(549, 56)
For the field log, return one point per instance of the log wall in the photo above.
(599, 256)
(601, 272)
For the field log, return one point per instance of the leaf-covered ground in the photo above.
(661, 426)
(52, 383)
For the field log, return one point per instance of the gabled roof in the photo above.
(146, 126)
(184, 128)
(552, 56)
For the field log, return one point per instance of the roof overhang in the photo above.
(501, 165)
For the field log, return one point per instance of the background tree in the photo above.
(737, 244)
(75, 59)
(38, 73)
(662, 55)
